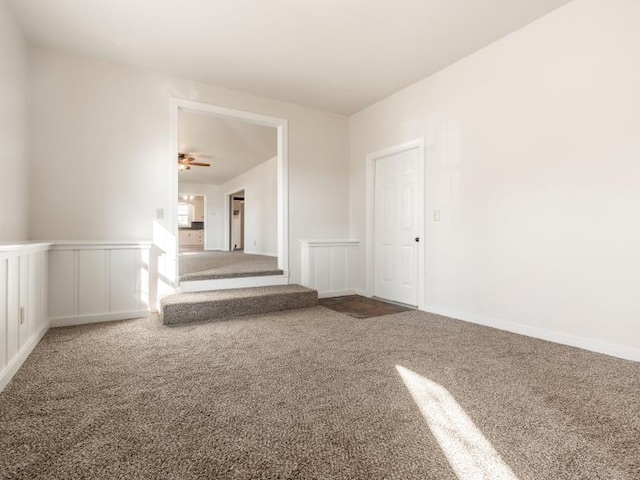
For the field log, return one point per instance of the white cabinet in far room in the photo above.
(191, 237)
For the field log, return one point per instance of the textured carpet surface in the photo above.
(310, 394)
(358, 306)
(211, 265)
(217, 304)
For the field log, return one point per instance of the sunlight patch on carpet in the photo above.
(470, 454)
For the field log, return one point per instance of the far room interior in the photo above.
(320, 240)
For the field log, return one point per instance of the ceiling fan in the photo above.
(186, 161)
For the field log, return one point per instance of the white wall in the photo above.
(101, 133)
(14, 162)
(260, 185)
(533, 159)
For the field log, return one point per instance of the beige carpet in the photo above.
(311, 394)
(201, 265)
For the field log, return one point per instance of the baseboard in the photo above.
(337, 293)
(264, 254)
(618, 351)
(14, 365)
(101, 317)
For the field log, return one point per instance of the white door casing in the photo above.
(395, 219)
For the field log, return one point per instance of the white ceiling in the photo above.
(230, 146)
(337, 55)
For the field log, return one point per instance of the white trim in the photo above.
(264, 254)
(101, 317)
(282, 127)
(237, 282)
(619, 351)
(19, 248)
(100, 245)
(418, 144)
(337, 293)
(14, 365)
(330, 243)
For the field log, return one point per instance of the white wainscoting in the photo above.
(23, 304)
(327, 266)
(98, 281)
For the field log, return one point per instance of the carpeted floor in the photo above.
(205, 265)
(358, 306)
(312, 394)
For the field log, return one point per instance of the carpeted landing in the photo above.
(211, 265)
(312, 393)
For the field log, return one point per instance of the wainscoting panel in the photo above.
(327, 266)
(4, 324)
(126, 272)
(13, 306)
(23, 304)
(92, 282)
(98, 281)
(62, 288)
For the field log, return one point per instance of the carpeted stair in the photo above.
(217, 304)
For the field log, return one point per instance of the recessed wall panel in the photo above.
(92, 282)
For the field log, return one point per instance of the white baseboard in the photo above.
(237, 282)
(101, 317)
(626, 353)
(337, 293)
(264, 254)
(14, 365)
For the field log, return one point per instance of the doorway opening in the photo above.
(225, 154)
(395, 247)
(191, 222)
(236, 218)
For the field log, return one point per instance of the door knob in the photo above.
(417, 239)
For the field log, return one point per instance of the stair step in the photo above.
(217, 304)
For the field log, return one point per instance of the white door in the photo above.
(396, 229)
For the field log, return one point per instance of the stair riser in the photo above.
(227, 283)
(215, 310)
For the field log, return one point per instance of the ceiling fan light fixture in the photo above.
(186, 162)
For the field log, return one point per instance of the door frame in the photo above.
(282, 128)
(418, 144)
(227, 216)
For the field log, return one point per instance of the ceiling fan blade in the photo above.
(200, 164)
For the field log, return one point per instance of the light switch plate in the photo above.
(436, 215)
(160, 214)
